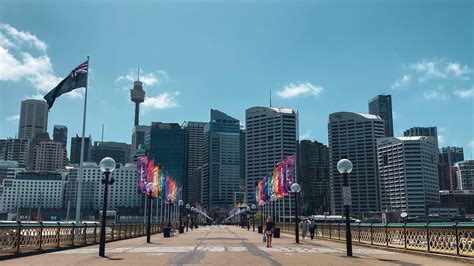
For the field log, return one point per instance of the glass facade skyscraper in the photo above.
(167, 148)
(381, 105)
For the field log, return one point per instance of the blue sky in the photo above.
(316, 56)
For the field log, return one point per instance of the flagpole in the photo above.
(81, 160)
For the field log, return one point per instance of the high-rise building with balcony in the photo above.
(194, 160)
(17, 150)
(33, 118)
(354, 136)
(408, 170)
(465, 175)
(119, 151)
(49, 156)
(60, 134)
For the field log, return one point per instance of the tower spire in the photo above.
(270, 97)
(138, 72)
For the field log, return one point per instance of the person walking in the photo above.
(269, 231)
(304, 228)
(312, 229)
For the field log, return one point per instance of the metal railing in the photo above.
(444, 238)
(16, 238)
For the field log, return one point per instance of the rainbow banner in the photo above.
(278, 182)
(156, 182)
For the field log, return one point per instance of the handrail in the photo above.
(444, 238)
(18, 237)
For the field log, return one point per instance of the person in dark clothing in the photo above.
(269, 231)
(312, 229)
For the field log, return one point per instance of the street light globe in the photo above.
(262, 202)
(188, 206)
(254, 207)
(273, 197)
(192, 208)
(295, 188)
(168, 197)
(248, 208)
(107, 165)
(150, 187)
(344, 166)
(180, 202)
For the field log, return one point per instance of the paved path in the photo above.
(225, 246)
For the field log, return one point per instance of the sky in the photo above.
(318, 57)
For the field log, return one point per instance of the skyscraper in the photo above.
(221, 168)
(60, 134)
(139, 135)
(314, 176)
(452, 155)
(49, 156)
(381, 105)
(167, 148)
(17, 150)
(194, 160)
(465, 175)
(76, 149)
(33, 118)
(422, 131)
(119, 151)
(270, 138)
(408, 174)
(354, 136)
(137, 95)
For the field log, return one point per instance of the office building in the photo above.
(32, 190)
(314, 177)
(17, 150)
(76, 149)
(49, 156)
(221, 165)
(139, 136)
(60, 134)
(4, 167)
(422, 131)
(408, 170)
(122, 193)
(33, 118)
(463, 198)
(194, 159)
(3, 146)
(381, 105)
(354, 136)
(119, 151)
(167, 148)
(465, 175)
(451, 155)
(242, 183)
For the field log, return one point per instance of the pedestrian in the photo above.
(312, 229)
(304, 228)
(269, 231)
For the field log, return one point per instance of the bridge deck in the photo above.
(226, 245)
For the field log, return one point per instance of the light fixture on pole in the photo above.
(344, 167)
(107, 166)
(248, 218)
(149, 189)
(295, 189)
(254, 208)
(187, 216)
(181, 228)
(260, 227)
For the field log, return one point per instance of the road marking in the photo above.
(219, 249)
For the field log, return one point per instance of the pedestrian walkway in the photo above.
(226, 245)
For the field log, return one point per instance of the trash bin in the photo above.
(260, 229)
(276, 232)
(181, 229)
(167, 232)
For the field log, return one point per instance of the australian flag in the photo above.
(76, 79)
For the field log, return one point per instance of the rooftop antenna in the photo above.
(102, 132)
(270, 97)
(138, 70)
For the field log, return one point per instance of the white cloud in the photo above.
(17, 63)
(402, 82)
(23, 37)
(306, 135)
(471, 144)
(148, 79)
(165, 100)
(465, 94)
(293, 90)
(439, 69)
(435, 95)
(13, 118)
(440, 139)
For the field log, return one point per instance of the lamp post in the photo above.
(107, 166)
(344, 167)
(273, 198)
(295, 188)
(181, 228)
(254, 208)
(149, 188)
(168, 197)
(187, 216)
(193, 221)
(262, 203)
(248, 218)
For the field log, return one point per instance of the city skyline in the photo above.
(213, 65)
